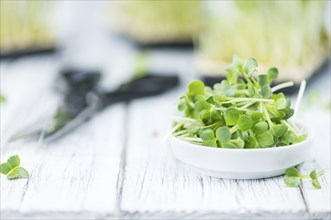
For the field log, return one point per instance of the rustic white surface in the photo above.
(318, 201)
(116, 166)
(74, 178)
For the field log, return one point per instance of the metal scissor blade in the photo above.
(50, 131)
(68, 126)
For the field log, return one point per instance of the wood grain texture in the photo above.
(318, 200)
(73, 178)
(157, 185)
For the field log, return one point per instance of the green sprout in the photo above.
(242, 111)
(12, 168)
(293, 177)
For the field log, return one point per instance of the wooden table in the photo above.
(116, 165)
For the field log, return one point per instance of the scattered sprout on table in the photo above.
(12, 168)
(293, 177)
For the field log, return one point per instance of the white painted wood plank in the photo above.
(27, 85)
(78, 175)
(70, 179)
(318, 200)
(157, 185)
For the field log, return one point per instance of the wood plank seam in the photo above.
(121, 173)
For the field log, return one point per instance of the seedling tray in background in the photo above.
(26, 52)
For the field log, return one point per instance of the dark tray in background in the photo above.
(183, 44)
(26, 52)
(162, 45)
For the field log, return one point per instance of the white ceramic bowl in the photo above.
(242, 163)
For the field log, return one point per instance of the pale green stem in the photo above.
(168, 135)
(191, 139)
(211, 125)
(304, 176)
(184, 119)
(233, 129)
(247, 105)
(282, 86)
(266, 114)
(261, 108)
(289, 126)
(178, 133)
(232, 100)
(220, 108)
(299, 98)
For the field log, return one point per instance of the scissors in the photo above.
(83, 98)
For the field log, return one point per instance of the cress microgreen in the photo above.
(12, 168)
(293, 177)
(243, 111)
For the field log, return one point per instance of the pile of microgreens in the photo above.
(242, 111)
(12, 168)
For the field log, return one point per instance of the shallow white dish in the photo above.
(242, 163)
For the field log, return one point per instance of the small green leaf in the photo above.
(231, 116)
(272, 74)
(234, 69)
(210, 143)
(279, 130)
(265, 87)
(313, 174)
(200, 106)
(265, 139)
(251, 90)
(5, 168)
(292, 181)
(207, 134)
(260, 127)
(316, 183)
(243, 135)
(224, 85)
(196, 88)
(238, 143)
(228, 145)
(281, 103)
(255, 115)
(251, 142)
(245, 123)
(18, 173)
(292, 172)
(223, 134)
(182, 105)
(14, 161)
(250, 66)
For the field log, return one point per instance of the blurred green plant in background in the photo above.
(289, 34)
(2, 98)
(25, 25)
(159, 21)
